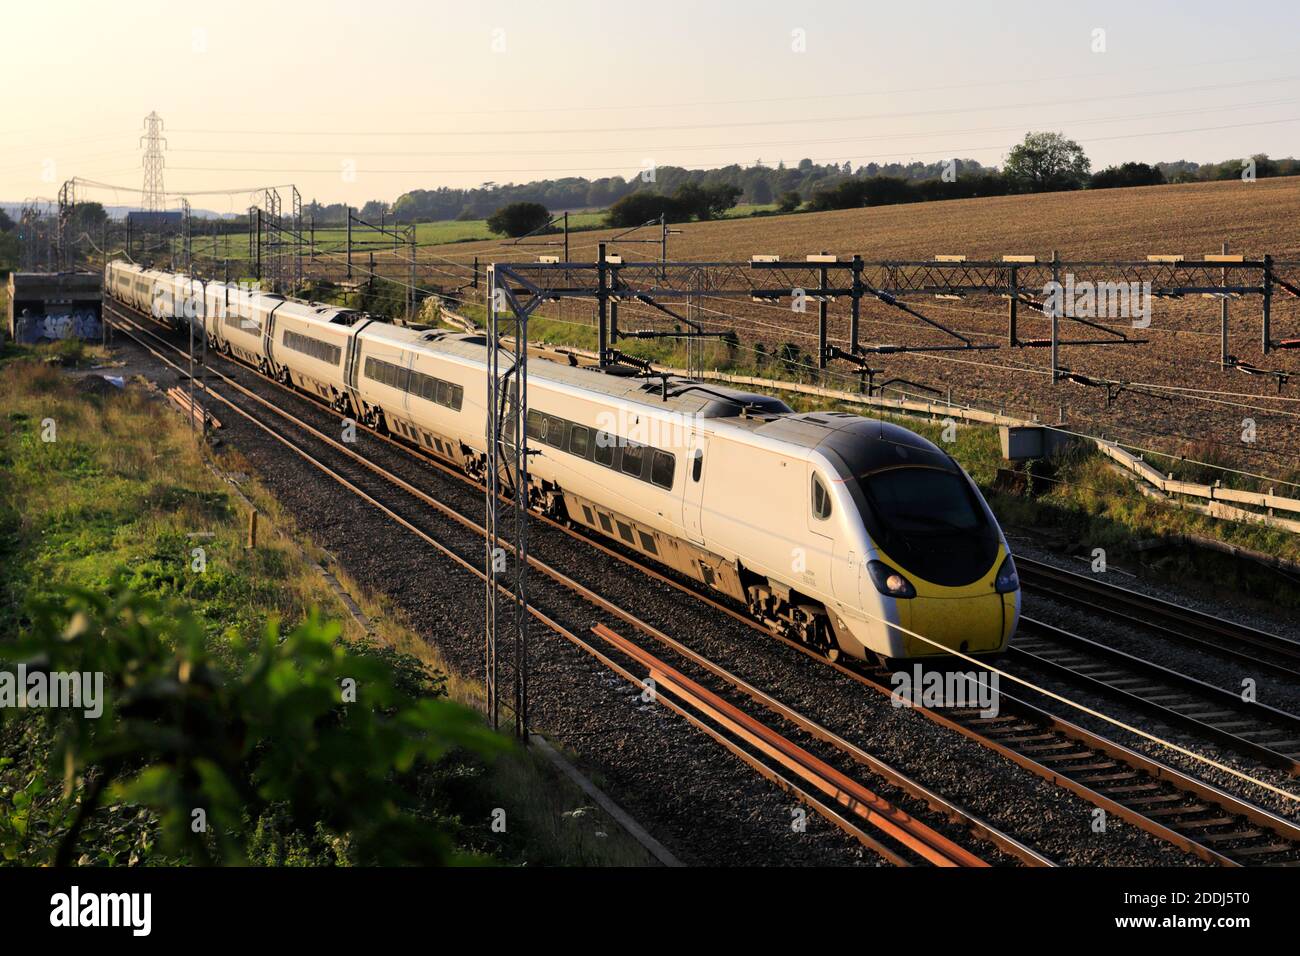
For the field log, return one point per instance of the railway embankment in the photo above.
(336, 736)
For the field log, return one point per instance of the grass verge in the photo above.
(123, 497)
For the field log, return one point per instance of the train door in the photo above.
(819, 555)
(693, 488)
(408, 363)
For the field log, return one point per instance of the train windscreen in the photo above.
(930, 521)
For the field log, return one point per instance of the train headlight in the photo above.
(1007, 580)
(888, 581)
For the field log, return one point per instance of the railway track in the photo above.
(898, 836)
(1241, 643)
(1265, 733)
(1198, 818)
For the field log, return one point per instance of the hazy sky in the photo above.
(356, 101)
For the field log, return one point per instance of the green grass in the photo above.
(334, 238)
(125, 493)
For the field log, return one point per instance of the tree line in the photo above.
(1044, 161)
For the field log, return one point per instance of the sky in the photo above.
(357, 101)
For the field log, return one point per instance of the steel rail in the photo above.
(843, 790)
(1211, 711)
(1185, 625)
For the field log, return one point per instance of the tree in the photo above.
(706, 202)
(1046, 162)
(374, 210)
(789, 201)
(88, 217)
(1129, 174)
(519, 219)
(6, 224)
(640, 207)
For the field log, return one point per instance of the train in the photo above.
(852, 535)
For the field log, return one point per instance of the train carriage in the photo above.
(418, 393)
(850, 534)
(309, 344)
(244, 328)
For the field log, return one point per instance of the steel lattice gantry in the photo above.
(506, 549)
(1022, 281)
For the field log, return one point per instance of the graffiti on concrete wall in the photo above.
(82, 324)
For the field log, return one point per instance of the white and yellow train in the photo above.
(851, 534)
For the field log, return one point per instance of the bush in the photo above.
(1129, 174)
(641, 207)
(293, 748)
(691, 200)
(789, 201)
(519, 219)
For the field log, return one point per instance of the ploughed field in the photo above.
(1204, 422)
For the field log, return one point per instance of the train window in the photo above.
(925, 500)
(457, 397)
(536, 424)
(555, 432)
(444, 393)
(633, 459)
(697, 464)
(604, 453)
(662, 468)
(307, 345)
(821, 500)
(401, 378)
(579, 440)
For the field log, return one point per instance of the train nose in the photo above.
(970, 624)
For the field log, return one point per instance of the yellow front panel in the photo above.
(976, 622)
(974, 614)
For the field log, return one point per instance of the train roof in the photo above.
(659, 393)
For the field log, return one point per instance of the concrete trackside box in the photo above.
(44, 306)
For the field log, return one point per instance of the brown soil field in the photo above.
(1203, 421)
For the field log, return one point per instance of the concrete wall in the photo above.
(48, 306)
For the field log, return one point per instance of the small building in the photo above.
(44, 306)
(154, 221)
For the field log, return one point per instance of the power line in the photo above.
(941, 153)
(741, 124)
(750, 145)
(623, 107)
